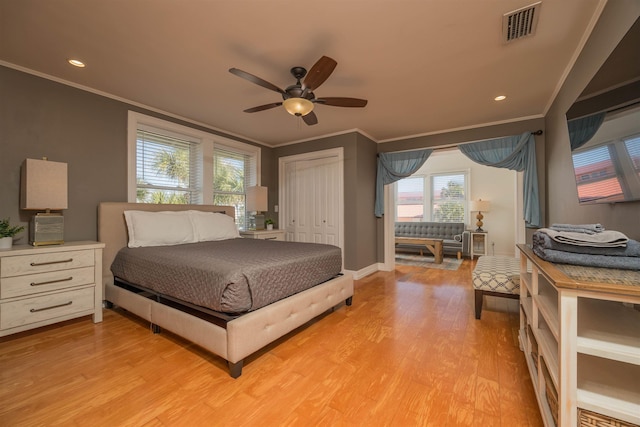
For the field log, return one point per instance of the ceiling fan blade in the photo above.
(263, 107)
(256, 80)
(342, 102)
(310, 119)
(320, 72)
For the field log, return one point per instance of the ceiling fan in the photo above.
(299, 99)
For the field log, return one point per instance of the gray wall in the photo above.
(562, 196)
(39, 117)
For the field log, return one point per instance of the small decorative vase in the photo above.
(6, 242)
(269, 226)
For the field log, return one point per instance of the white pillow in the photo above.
(159, 228)
(210, 226)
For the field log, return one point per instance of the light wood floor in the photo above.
(409, 352)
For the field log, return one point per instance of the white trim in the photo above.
(363, 272)
(207, 140)
(313, 155)
(389, 228)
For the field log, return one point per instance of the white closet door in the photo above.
(312, 211)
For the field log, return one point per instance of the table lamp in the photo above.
(479, 206)
(256, 202)
(43, 187)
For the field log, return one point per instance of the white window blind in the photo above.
(633, 148)
(448, 197)
(233, 172)
(410, 199)
(168, 167)
(596, 175)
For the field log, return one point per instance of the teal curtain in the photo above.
(582, 130)
(393, 167)
(515, 153)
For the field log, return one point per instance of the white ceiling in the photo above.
(426, 66)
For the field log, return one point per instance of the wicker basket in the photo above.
(550, 391)
(591, 419)
(534, 346)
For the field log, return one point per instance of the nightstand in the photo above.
(479, 243)
(48, 284)
(263, 234)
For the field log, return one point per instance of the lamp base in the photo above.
(46, 229)
(256, 222)
(479, 217)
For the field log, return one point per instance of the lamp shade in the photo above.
(256, 199)
(479, 205)
(298, 106)
(43, 185)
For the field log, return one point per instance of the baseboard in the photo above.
(363, 272)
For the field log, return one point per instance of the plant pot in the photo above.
(269, 226)
(6, 242)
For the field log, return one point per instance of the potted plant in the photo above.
(269, 223)
(7, 232)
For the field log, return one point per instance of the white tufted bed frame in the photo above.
(236, 339)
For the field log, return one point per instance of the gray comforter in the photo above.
(230, 276)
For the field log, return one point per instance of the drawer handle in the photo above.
(270, 238)
(37, 264)
(35, 310)
(51, 281)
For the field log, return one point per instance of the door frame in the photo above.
(338, 153)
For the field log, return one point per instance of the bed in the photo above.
(232, 336)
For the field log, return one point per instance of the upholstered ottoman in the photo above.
(498, 276)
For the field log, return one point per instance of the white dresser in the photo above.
(580, 330)
(49, 284)
(263, 234)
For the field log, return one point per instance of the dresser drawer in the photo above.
(43, 282)
(39, 263)
(271, 236)
(45, 307)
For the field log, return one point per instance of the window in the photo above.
(448, 197)
(437, 197)
(167, 168)
(609, 172)
(233, 172)
(410, 199)
(171, 163)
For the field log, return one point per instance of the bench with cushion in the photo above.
(498, 276)
(455, 240)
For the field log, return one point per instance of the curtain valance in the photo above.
(582, 130)
(393, 167)
(515, 153)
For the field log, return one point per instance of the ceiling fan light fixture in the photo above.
(298, 106)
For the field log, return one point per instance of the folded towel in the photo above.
(578, 228)
(620, 262)
(545, 241)
(604, 239)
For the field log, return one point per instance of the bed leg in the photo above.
(235, 369)
(155, 328)
(478, 293)
(349, 301)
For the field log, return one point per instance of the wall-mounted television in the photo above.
(607, 168)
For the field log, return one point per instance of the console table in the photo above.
(580, 331)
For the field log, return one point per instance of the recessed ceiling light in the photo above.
(500, 98)
(76, 63)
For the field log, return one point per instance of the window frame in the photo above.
(428, 193)
(207, 141)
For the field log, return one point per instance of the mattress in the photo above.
(229, 276)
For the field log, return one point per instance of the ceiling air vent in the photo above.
(520, 23)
